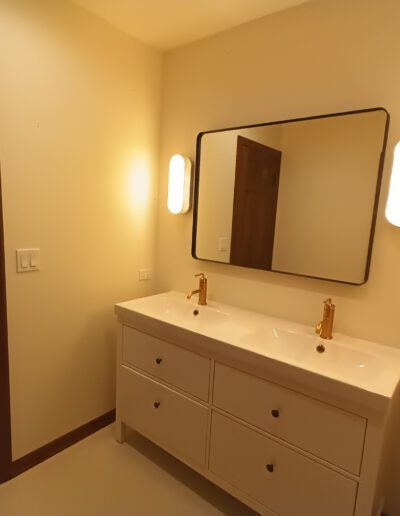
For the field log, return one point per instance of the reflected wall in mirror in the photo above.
(296, 197)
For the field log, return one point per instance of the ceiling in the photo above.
(167, 24)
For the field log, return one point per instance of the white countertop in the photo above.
(361, 364)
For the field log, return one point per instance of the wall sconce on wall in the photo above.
(180, 172)
(392, 211)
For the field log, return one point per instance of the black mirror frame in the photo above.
(330, 115)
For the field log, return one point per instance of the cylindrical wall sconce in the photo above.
(180, 171)
(392, 211)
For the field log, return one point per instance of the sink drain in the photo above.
(320, 348)
(195, 312)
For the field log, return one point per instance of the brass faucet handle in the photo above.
(324, 328)
(200, 274)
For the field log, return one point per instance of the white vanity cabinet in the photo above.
(283, 446)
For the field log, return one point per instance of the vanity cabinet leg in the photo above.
(120, 431)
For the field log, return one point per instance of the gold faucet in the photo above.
(202, 290)
(324, 328)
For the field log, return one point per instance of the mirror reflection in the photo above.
(295, 197)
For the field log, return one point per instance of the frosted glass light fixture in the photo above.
(392, 212)
(180, 169)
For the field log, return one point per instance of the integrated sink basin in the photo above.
(173, 308)
(335, 357)
(354, 362)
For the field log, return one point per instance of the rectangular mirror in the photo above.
(296, 197)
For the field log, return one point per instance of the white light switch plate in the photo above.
(223, 244)
(28, 260)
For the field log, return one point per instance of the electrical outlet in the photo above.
(144, 274)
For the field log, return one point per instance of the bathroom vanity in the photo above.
(247, 401)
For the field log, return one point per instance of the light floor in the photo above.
(99, 477)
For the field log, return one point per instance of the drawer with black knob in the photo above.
(168, 418)
(177, 366)
(281, 479)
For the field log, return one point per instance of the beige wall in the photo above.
(321, 57)
(314, 72)
(79, 104)
(218, 158)
(329, 167)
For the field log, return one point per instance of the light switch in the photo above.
(24, 260)
(33, 258)
(27, 260)
(223, 244)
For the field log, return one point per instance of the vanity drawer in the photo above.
(170, 419)
(293, 486)
(330, 433)
(177, 366)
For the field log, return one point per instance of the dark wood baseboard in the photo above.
(5, 416)
(48, 450)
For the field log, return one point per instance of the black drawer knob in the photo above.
(275, 413)
(158, 360)
(270, 468)
(156, 404)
